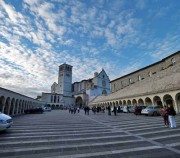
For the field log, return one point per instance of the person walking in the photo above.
(115, 110)
(85, 110)
(171, 114)
(164, 114)
(109, 110)
(78, 109)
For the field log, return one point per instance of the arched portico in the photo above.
(2, 102)
(168, 100)
(177, 98)
(124, 102)
(7, 106)
(140, 102)
(134, 102)
(79, 101)
(128, 102)
(148, 101)
(157, 101)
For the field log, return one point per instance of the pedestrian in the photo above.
(85, 110)
(78, 109)
(164, 114)
(88, 110)
(109, 110)
(115, 110)
(94, 109)
(136, 110)
(74, 110)
(171, 115)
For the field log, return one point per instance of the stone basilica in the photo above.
(65, 93)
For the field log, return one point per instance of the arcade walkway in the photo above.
(58, 134)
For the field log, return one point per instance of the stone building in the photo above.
(86, 90)
(64, 93)
(156, 84)
(13, 103)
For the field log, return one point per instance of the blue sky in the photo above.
(121, 36)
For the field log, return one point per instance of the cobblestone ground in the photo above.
(58, 134)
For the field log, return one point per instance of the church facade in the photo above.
(65, 93)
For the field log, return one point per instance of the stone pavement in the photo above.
(58, 134)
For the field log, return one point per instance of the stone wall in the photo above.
(149, 75)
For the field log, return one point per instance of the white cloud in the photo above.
(11, 12)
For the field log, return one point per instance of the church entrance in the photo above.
(79, 102)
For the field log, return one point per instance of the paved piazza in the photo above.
(58, 134)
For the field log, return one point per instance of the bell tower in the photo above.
(65, 79)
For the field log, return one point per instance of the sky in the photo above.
(120, 36)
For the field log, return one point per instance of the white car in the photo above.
(5, 121)
(47, 109)
(125, 109)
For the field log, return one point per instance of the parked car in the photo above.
(151, 111)
(34, 111)
(125, 109)
(46, 108)
(130, 109)
(5, 121)
(139, 109)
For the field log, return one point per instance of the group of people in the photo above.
(114, 110)
(73, 110)
(168, 113)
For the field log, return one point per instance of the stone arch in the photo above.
(114, 103)
(16, 107)
(140, 102)
(22, 108)
(19, 107)
(79, 101)
(120, 103)
(11, 109)
(117, 104)
(134, 102)
(128, 102)
(168, 100)
(177, 97)
(148, 101)
(124, 102)
(7, 105)
(53, 106)
(2, 102)
(157, 101)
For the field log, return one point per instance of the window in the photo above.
(54, 99)
(139, 78)
(130, 81)
(173, 61)
(150, 73)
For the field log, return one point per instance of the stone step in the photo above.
(68, 150)
(59, 135)
(59, 129)
(56, 132)
(45, 142)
